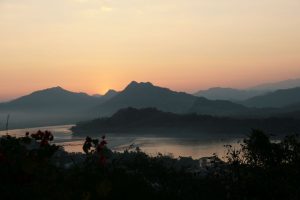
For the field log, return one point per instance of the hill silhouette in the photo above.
(231, 94)
(285, 84)
(217, 107)
(55, 106)
(155, 121)
(48, 107)
(276, 99)
(145, 94)
(51, 100)
(236, 95)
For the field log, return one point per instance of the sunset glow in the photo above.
(186, 45)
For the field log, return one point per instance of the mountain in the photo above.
(97, 95)
(143, 95)
(49, 106)
(109, 94)
(230, 94)
(286, 84)
(151, 120)
(291, 111)
(59, 106)
(51, 100)
(220, 107)
(277, 99)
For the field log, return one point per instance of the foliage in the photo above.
(259, 169)
(262, 169)
(92, 147)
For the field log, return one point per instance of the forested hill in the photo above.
(151, 119)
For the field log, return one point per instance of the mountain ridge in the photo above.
(230, 94)
(151, 120)
(145, 94)
(284, 84)
(277, 99)
(57, 105)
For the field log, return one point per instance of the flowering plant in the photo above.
(94, 147)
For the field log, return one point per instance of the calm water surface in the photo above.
(196, 147)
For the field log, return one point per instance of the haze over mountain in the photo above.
(50, 100)
(277, 99)
(285, 84)
(231, 94)
(217, 107)
(50, 106)
(59, 106)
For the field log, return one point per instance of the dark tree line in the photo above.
(259, 169)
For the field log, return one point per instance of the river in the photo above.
(195, 147)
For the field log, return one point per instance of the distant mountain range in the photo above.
(286, 84)
(219, 93)
(50, 100)
(217, 107)
(277, 99)
(49, 107)
(58, 106)
(143, 95)
(230, 94)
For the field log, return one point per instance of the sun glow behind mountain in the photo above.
(94, 45)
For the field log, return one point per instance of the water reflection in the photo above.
(195, 147)
(61, 133)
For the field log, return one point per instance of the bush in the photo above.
(259, 169)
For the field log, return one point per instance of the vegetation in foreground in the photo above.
(33, 168)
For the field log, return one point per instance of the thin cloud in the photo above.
(106, 9)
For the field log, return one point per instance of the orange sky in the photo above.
(186, 45)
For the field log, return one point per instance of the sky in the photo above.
(185, 45)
